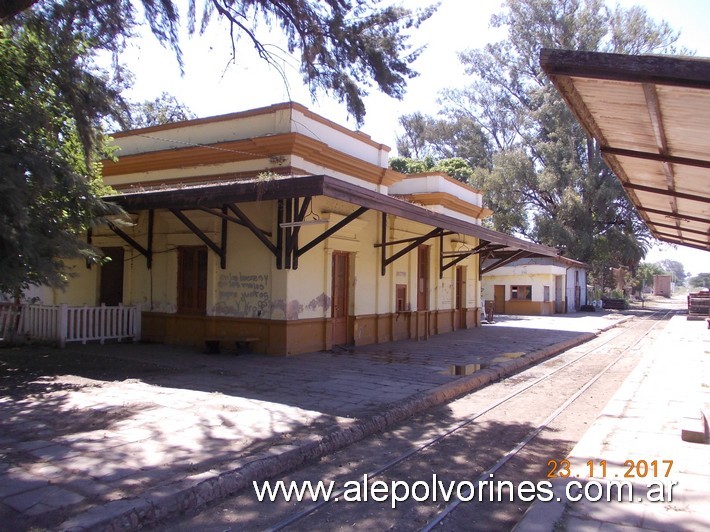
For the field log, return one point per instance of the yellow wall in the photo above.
(291, 309)
(535, 306)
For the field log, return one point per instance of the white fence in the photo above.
(9, 315)
(64, 324)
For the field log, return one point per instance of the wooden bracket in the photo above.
(147, 253)
(414, 243)
(220, 250)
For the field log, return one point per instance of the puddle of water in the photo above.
(507, 356)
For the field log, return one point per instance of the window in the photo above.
(192, 280)
(401, 295)
(521, 292)
(546, 293)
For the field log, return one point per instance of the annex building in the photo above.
(280, 226)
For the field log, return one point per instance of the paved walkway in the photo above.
(112, 436)
(643, 423)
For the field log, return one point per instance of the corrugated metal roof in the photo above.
(651, 118)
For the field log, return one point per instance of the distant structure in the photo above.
(662, 285)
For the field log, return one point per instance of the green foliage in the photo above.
(702, 280)
(450, 138)
(53, 99)
(345, 47)
(676, 268)
(455, 167)
(407, 165)
(50, 105)
(165, 109)
(617, 294)
(548, 181)
(645, 272)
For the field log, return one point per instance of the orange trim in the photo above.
(449, 201)
(244, 150)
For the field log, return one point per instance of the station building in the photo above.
(279, 226)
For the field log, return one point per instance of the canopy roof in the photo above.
(216, 194)
(651, 118)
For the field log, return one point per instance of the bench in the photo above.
(242, 344)
(616, 304)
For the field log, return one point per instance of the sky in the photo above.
(211, 85)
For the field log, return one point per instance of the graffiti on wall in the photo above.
(243, 294)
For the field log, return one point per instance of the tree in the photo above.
(164, 109)
(54, 99)
(455, 167)
(343, 45)
(50, 146)
(426, 136)
(702, 280)
(645, 272)
(548, 181)
(676, 268)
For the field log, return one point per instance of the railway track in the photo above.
(506, 433)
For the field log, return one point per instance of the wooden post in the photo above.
(62, 325)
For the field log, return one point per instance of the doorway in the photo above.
(192, 280)
(111, 277)
(340, 297)
(499, 299)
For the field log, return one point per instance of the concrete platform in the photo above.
(110, 437)
(643, 423)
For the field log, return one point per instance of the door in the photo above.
(111, 277)
(192, 280)
(461, 297)
(340, 298)
(499, 299)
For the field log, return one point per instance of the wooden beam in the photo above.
(681, 243)
(280, 218)
(415, 244)
(516, 255)
(685, 229)
(151, 225)
(684, 161)
(665, 192)
(232, 219)
(656, 69)
(672, 215)
(460, 255)
(223, 236)
(656, 117)
(293, 248)
(288, 233)
(685, 238)
(332, 230)
(198, 232)
(383, 251)
(135, 245)
(258, 233)
(412, 239)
